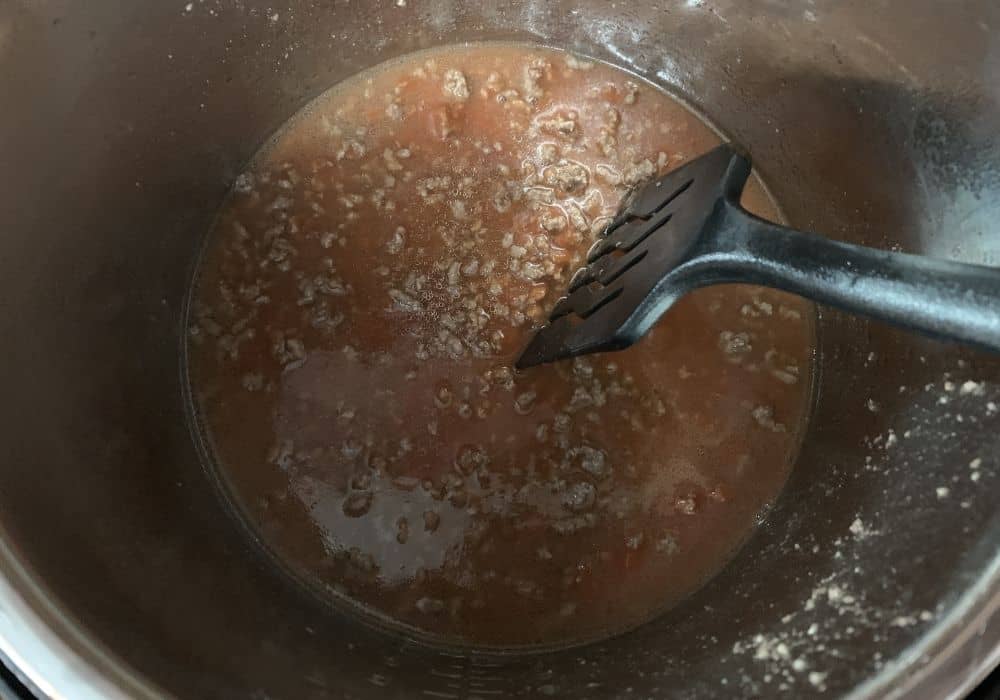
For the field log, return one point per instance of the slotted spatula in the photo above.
(687, 229)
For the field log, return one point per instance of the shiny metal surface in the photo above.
(124, 123)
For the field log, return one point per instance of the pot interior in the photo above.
(122, 131)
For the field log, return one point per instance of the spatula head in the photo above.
(634, 271)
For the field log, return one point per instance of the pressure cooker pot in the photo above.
(875, 574)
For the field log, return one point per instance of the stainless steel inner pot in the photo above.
(123, 124)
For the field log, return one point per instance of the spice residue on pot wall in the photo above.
(359, 306)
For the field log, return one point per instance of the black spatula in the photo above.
(687, 229)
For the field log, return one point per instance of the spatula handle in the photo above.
(940, 298)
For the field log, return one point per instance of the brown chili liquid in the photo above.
(356, 316)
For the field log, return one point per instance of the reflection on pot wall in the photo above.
(126, 125)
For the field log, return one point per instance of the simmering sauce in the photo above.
(364, 293)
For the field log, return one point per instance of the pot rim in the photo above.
(56, 658)
(50, 652)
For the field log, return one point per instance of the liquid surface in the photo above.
(363, 296)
